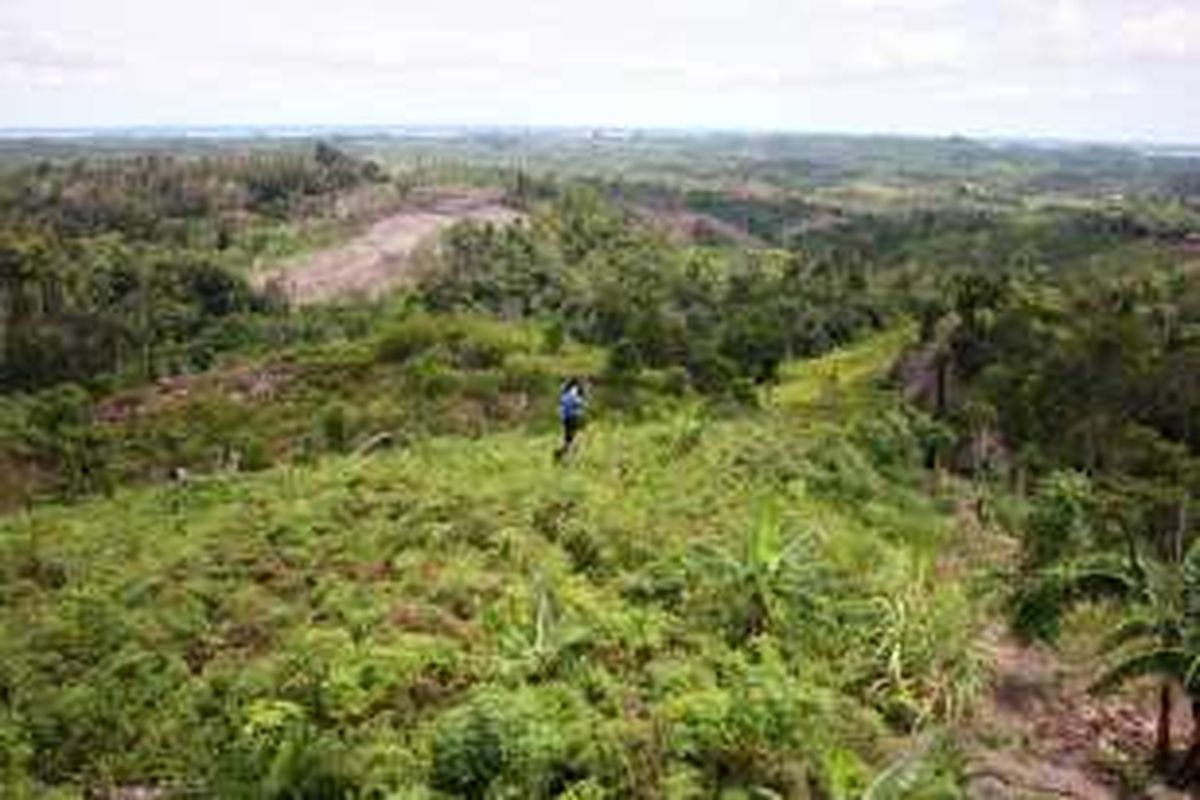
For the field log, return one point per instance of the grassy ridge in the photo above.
(694, 605)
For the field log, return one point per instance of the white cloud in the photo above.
(1066, 66)
(47, 50)
(1172, 32)
(901, 5)
(1070, 30)
(902, 48)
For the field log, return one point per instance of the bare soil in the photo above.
(1038, 732)
(248, 384)
(688, 226)
(381, 257)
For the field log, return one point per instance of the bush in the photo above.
(675, 381)
(554, 336)
(468, 750)
(891, 439)
(477, 342)
(711, 372)
(429, 378)
(472, 342)
(1060, 517)
(255, 455)
(281, 755)
(16, 753)
(531, 742)
(624, 361)
(415, 335)
(335, 428)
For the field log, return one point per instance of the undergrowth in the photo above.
(697, 605)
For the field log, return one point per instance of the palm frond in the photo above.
(902, 776)
(1096, 578)
(1170, 662)
(1139, 624)
(1041, 604)
(1193, 672)
(1191, 596)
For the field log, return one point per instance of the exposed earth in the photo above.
(1040, 734)
(381, 257)
(1038, 731)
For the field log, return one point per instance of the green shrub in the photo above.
(16, 754)
(254, 453)
(675, 381)
(1060, 517)
(334, 424)
(624, 361)
(409, 338)
(478, 342)
(472, 342)
(520, 379)
(554, 336)
(428, 377)
(528, 742)
(483, 387)
(710, 372)
(889, 439)
(280, 755)
(469, 749)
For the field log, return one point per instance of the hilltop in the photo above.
(693, 604)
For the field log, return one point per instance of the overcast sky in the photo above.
(1085, 69)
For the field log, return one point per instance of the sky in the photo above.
(1101, 70)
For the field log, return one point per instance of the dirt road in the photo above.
(380, 258)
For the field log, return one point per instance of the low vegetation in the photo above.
(881, 402)
(697, 604)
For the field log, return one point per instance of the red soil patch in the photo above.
(689, 226)
(1042, 734)
(250, 384)
(381, 257)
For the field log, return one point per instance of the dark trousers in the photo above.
(571, 428)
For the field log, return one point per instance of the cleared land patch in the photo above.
(381, 257)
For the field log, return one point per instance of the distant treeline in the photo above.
(726, 319)
(109, 266)
(1100, 376)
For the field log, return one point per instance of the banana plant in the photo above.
(1157, 637)
(769, 580)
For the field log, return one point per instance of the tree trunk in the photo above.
(942, 398)
(1193, 754)
(1181, 526)
(756, 616)
(1162, 739)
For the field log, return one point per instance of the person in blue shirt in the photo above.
(570, 409)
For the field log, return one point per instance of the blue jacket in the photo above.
(570, 403)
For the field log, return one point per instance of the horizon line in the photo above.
(201, 128)
(217, 130)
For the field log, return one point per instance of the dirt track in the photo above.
(1038, 732)
(380, 258)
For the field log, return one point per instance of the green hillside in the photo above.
(887, 488)
(702, 604)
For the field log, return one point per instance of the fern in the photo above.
(903, 776)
